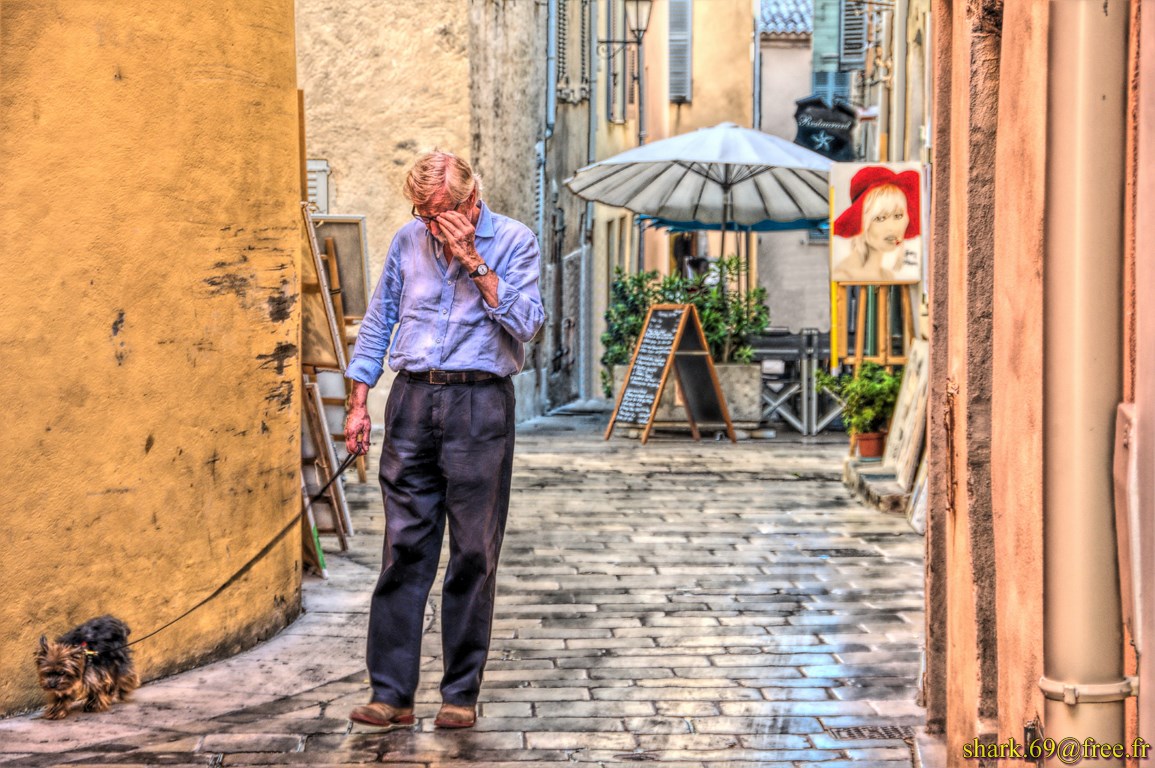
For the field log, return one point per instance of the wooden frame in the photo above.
(906, 262)
(322, 339)
(311, 553)
(347, 233)
(331, 511)
(840, 333)
(908, 425)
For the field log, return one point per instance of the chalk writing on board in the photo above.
(645, 378)
(671, 339)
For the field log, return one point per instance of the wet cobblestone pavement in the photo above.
(683, 604)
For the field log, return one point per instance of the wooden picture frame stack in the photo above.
(325, 345)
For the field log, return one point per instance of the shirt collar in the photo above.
(484, 226)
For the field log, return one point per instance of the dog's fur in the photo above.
(91, 663)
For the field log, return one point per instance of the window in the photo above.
(318, 181)
(833, 86)
(573, 43)
(616, 75)
(852, 35)
(681, 51)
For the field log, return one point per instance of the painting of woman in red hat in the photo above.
(876, 236)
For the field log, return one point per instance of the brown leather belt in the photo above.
(450, 377)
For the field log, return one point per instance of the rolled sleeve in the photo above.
(376, 330)
(519, 309)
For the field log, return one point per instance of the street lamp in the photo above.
(637, 22)
(638, 17)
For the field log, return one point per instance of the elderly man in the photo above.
(461, 286)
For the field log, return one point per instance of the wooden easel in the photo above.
(332, 265)
(671, 340)
(880, 295)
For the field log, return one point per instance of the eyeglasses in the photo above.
(430, 219)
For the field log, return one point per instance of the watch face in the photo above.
(481, 271)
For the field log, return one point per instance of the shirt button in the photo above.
(449, 282)
(445, 311)
(438, 341)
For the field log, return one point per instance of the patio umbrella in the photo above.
(721, 175)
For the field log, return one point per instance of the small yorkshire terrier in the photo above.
(91, 663)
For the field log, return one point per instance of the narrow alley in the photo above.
(689, 604)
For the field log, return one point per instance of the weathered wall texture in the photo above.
(510, 115)
(940, 400)
(988, 362)
(1145, 346)
(1017, 402)
(149, 325)
(963, 617)
(568, 150)
(382, 82)
(507, 94)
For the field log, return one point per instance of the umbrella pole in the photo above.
(727, 202)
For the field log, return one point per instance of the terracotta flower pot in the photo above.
(870, 445)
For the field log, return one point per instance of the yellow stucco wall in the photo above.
(149, 324)
(723, 68)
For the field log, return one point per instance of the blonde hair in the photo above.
(438, 171)
(884, 199)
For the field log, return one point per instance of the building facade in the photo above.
(151, 179)
(1039, 588)
(793, 266)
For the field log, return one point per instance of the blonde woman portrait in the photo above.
(877, 236)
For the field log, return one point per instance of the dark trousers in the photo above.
(447, 456)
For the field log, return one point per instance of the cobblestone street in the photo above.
(687, 604)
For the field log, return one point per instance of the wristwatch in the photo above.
(481, 271)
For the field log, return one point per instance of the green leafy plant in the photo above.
(728, 316)
(868, 399)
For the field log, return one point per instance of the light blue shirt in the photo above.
(441, 320)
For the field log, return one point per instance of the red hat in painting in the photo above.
(849, 223)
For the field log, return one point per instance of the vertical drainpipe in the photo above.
(585, 320)
(757, 112)
(897, 143)
(545, 238)
(1083, 294)
(550, 116)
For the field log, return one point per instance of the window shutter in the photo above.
(563, 43)
(852, 35)
(832, 86)
(613, 114)
(585, 46)
(631, 75)
(317, 172)
(681, 51)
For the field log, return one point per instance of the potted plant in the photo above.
(868, 401)
(728, 317)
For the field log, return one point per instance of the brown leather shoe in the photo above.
(381, 715)
(454, 716)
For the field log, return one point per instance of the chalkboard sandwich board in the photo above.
(671, 340)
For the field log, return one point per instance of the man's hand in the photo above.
(358, 425)
(357, 428)
(457, 235)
